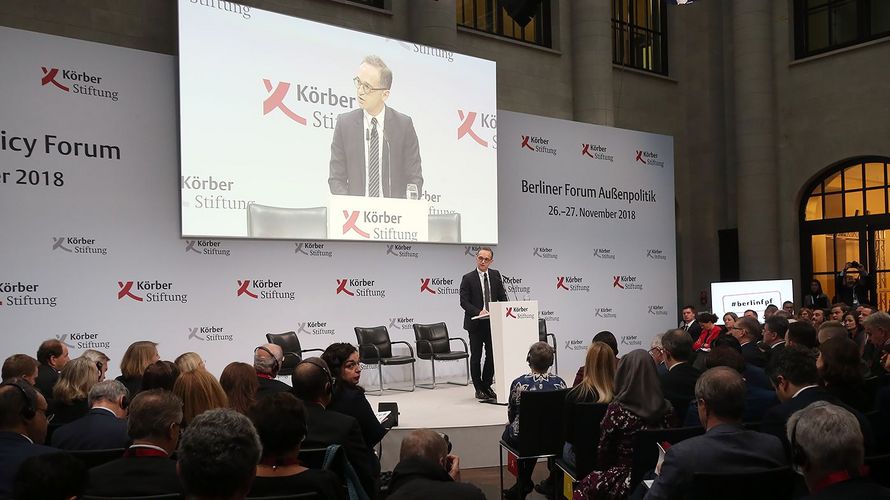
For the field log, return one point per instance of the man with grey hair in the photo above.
(104, 426)
(828, 451)
(747, 331)
(657, 352)
(428, 470)
(100, 358)
(375, 150)
(267, 360)
(146, 468)
(725, 447)
(218, 455)
(877, 327)
(830, 330)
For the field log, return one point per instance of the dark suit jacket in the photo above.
(419, 479)
(351, 401)
(757, 402)
(330, 427)
(15, 449)
(774, 351)
(135, 476)
(471, 299)
(97, 430)
(400, 155)
(724, 448)
(678, 387)
(853, 488)
(753, 355)
(47, 376)
(133, 384)
(270, 386)
(694, 330)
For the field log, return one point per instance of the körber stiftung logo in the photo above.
(605, 313)
(657, 310)
(597, 152)
(76, 81)
(648, 158)
(626, 282)
(488, 126)
(548, 315)
(149, 291)
(376, 225)
(314, 328)
(604, 253)
(518, 312)
(359, 287)
(655, 254)
(312, 249)
(438, 286)
(401, 323)
(576, 345)
(471, 250)
(206, 247)
(322, 104)
(571, 284)
(631, 340)
(537, 144)
(544, 253)
(78, 245)
(84, 340)
(20, 294)
(515, 285)
(207, 196)
(403, 251)
(264, 289)
(209, 334)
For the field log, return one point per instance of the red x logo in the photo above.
(425, 286)
(49, 76)
(351, 220)
(561, 283)
(125, 291)
(341, 287)
(639, 157)
(585, 150)
(525, 143)
(467, 127)
(276, 100)
(510, 313)
(242, 289)
(617, 283)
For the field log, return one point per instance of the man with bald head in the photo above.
(267, 360)
(427, 470)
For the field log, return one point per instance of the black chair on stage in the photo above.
(773, 483)
(434, 344)
(543, 336)
(645, 451)
(375, 348)
(293, 352)
(540, 427)
(584, 435)
(93, 458)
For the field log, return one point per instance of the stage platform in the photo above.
(474, 428)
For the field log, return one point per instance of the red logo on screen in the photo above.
(276, 101)
(639, 157)
(466, 127)
(341, 287)
(242, 289)
(49, 76)
(561, 283)
(425, 286)
(617, 282)
(525, 143)
(125, 291)
(510, 313)
(585, 150)
(350, 224)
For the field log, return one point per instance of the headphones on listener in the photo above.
(30, 409)
(277, 363)
(321, 367)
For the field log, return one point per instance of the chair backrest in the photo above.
(585, 436)
(264, 221)
(444, 228)
(377, 335)
(436, 334)
(541, 422)
(772, 483)
(165, 496)
(92, 458)
(312, 458)
(542, 329)
(288, 341)
(645, 451)
(879, 469)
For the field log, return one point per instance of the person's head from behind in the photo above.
(838, 363)
(54, 476)
(774, 329)
(599, 372)
(280, 421)
(109, 394)
(801, 333)
(240, 383)
(637, 386)
(189, 361)
(312, 381)
(53, 353)
(830, 330)
(426, 445)
(199, 392)
(745, 330)
(677, 345)
(825, 439)
(23, 410)
(792, 369)
(100, 358)
(20, 366)
(75, 381)
(343, 361)
(769, 311)
(267, 359)
(160, 375)
(540, 357)
(137, 358)
(727, 341)
(155, 419)
(724, 355)
(720, 393)
(218, 455)
(373, 82)
(609, 339)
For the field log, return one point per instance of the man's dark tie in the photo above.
(374, 161)
(486, 292)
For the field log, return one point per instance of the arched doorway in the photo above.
(844, 217)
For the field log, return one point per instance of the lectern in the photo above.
(514, 328)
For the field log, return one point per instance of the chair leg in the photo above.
(468, 376)
(433, 364)
(414, 378)
(380, 374)
(501, 468)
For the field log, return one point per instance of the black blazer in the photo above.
(15, 449)
(47, 376)
(133, 384)
(753, 355)
(678, 387)
(694, 330)
(351, 401)
(135, 476)
(97, 430)
(471, 299)
(400, 154)
(270, 386)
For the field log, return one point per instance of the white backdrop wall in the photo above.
(89, 202)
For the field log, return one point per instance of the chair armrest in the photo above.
(410, 349)
(462, 341)
(428, 343)
(312, 350)
(376, 349)
(550, 335)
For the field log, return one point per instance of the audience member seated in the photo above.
(426, 470)
(770, 311)
(23, 423)
(638, 405)
(100, 358)
(160, 375)
(146, 467)
(313, 383)
(877, 327)
(540, 359)
(751, 313)
(657, 353)
(218, 454)
(854, 329)
(597, 386)
(280, 422)
(348, 397)
(70, 392)
(136, 359)
(239, 381)
(828, 451)
(753, 375)
(838, 310)
(53, 476)
(725, 447)
(830, 330)
(774, 330)
(838, 363)
(267, 360)
(189, 361)
(52, 356)
(801, 333)
(20, 366)
(199, 392)
(709, 331)
(607, 338)
(757, 399)
(805, 314)
(729, 320)
(678, 384)
(689, 324)
(747, 332)
(104, 427)
(794, 374)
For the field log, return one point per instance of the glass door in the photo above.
(831, 251)
(879, 266)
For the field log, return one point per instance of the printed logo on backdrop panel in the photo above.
(575, 345)
(309, 104)
(79, 82)
(403, 251)
(209, 334)
(401, 323)
(537, 144)
(487, 125)
(596, 152)
(206, 247)
(84, 340)
(657, 310)
(312, 249)
(264, 289)
(649, 158)
(471, 250)
(314, 328)
(548, 315)
(149, 292)
(376, 225)
(571, 284)
(627, 282)
(208, 193)
(78, 245)
(544, 253)
(630, 340)
(424, 50)
(515, 285)
(438, 286)
(604, 253)
(359, 287)
(605, 313)
(655, 254)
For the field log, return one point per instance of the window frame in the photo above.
(621, 31)
(802, 28)
(495, 17)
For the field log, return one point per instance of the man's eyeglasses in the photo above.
(365, 87)
(483, 259)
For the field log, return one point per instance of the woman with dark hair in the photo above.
(638, 405)
(348, 397)
(816, 299)
(855, 330)
(160, 375)
(709, 330)
(240, 382)
(280, 421)
(839, 363)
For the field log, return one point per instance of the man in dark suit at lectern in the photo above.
(478, 289)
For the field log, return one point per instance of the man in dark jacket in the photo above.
(678, 384)
(427, 471)
(104, 427)
(22, 429)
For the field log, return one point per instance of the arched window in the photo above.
(844, 217)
